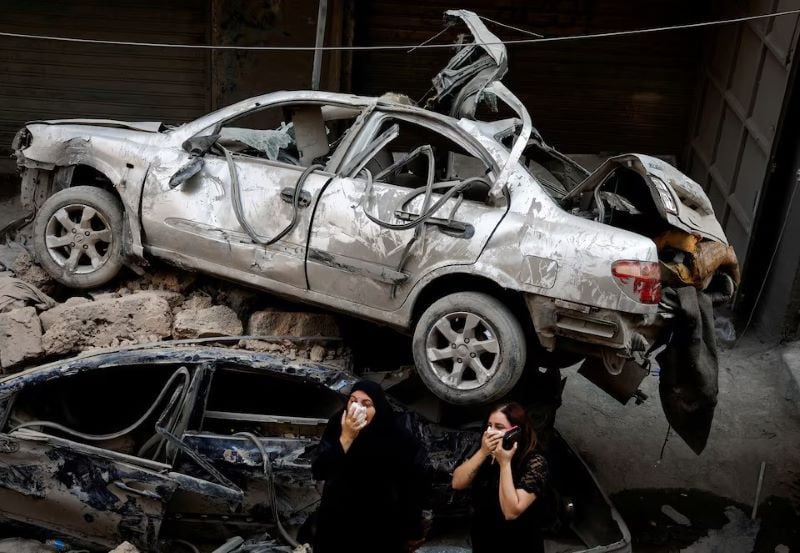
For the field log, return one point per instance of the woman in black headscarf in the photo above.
(374, 473)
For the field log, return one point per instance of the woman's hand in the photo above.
(351, 426)
(489, 442)
(503, 456)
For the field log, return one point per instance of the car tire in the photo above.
(78, 236)
(486, 353)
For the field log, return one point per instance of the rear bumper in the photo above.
(561, 323)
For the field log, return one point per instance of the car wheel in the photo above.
(469, 348)
(78, 236)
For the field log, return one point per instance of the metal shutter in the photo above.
(743, 85)
(49, 80)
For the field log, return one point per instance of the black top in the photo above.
(491, 532)
(373, 494)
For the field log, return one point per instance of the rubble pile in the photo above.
(160, 305)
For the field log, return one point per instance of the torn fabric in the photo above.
(15, 293)
(689, 367)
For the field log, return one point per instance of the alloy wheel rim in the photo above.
(463, 350)
(78, 238)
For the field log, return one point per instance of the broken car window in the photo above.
(244, 401)
(297, 134)
(101, 402)
(451, 161)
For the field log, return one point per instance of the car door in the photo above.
(236, 217)
(101, 488)
(87, 493)
(253, 411)
(358, 248)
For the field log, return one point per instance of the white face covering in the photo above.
(358, 412)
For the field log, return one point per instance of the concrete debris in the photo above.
(80, 324)
(289, 323)
(26, 269)
(675, 516)
(173, 280)
(20, 337)
(125, 547)
(317, 353)
(197, 300)
(217, 320)
(16, 293)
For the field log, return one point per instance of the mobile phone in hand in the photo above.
(511, 437)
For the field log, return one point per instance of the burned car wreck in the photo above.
(163, 443)
(494, 250)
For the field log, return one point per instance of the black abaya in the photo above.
(373, 494)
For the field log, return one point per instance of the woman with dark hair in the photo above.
(508, 485)
(374, 473)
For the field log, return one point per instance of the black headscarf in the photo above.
(384, 459)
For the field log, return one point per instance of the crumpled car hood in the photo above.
(144, 126)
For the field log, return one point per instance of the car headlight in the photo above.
(22, 139)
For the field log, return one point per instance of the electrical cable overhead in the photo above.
(500, 24)
(401, 46)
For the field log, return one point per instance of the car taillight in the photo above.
(641, 280)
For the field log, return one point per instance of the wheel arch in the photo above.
(39, 184)
(453, 282)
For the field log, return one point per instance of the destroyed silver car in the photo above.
(493, 249)
(165, 443)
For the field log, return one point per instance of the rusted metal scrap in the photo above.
(702, 259)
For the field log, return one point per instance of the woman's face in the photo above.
(361, 397)
(499, 422)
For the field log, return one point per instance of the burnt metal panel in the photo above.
(50, 80)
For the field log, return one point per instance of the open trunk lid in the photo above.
(459, 85)
(680, 201)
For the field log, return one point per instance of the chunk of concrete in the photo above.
(109, 322)
(20, 337)
(26, 269)
(209, 322)
(125, 547)
(317, 353)
(290, 323)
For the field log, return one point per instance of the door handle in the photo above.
(287, 195)
(144, 493)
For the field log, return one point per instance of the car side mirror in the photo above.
(187, 171)
(200, 145)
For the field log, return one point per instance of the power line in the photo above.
(397, 46)
(500, 24)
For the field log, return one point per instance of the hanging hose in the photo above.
(238, 209)
(270, 486)
(181, 372)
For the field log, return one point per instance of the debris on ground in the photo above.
(16, 293)
(675, 516)
(125, 547)
(164, 303)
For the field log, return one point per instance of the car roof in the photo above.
(181, 352)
